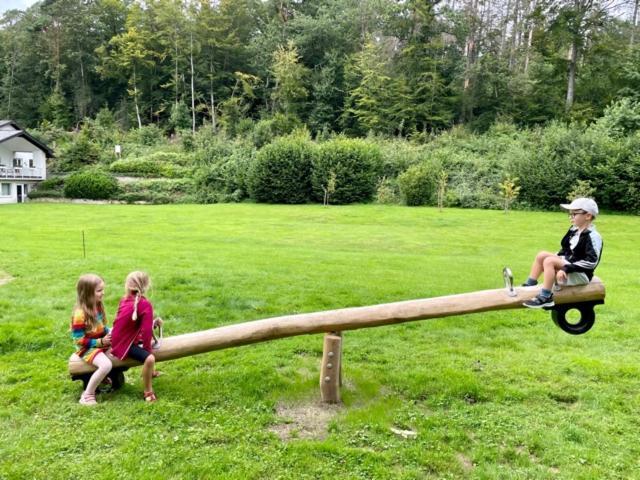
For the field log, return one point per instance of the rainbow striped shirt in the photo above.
(87, 341)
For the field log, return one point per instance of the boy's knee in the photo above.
(150, 360)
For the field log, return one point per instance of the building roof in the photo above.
(10, 129)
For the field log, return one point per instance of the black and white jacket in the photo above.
(585, 255)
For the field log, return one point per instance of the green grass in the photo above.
(493, 395)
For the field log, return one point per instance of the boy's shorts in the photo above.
(576, 278)
(138, 353)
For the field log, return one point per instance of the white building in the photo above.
(23, 162)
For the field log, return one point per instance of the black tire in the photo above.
(117, 379)
(587, 318)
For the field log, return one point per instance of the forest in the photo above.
(477, 104)
(393, 67)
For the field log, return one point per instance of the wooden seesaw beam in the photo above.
(332, 321)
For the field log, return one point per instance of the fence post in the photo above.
(331, 370)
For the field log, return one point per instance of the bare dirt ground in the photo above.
(309, 421)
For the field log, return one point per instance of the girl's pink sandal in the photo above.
(88, 399)
(150, 396)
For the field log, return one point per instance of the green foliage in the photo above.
(51, 183)
(79, 153)
(278, 125)
(387, 192)
(42, 193)
(149, 135)
(418, 184)
(356, 164)
(509, 189)
(158, 191)
(180, 118)
(282, 171)
(226, 179)
(582, 189)
(146, 167)
(620, 118)
(618, 178)
(56, 110)
(552, 161)
(92, 184)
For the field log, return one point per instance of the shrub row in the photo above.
(295, 170)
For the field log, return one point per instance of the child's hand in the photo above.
(106, 340)
(561, 277)
(157, 322)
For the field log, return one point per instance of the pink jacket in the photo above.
(125, 330)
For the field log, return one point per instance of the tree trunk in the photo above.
(505, 27)
(634, 23)
(213, 104)
(571, 80)
(135, 98)
(193, 94)
(531, 26)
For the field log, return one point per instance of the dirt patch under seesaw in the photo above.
(309, 421)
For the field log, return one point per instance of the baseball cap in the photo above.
(589, 205)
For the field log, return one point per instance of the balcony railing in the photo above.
(21, 172)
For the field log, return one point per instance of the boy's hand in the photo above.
(561, 277)
(157, 322)
(106, 340)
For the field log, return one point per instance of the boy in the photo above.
(578, 257)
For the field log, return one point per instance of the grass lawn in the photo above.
(492, 395)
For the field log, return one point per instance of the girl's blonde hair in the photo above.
(137, 283)
(86, 298)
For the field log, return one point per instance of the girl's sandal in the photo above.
(88, 399)
(150, 396)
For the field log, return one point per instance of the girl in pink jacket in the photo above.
(133, 329)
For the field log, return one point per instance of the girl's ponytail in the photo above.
(136, 283)
(134, 317)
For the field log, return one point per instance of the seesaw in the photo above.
(332, 322)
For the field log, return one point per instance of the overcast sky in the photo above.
(11, 4)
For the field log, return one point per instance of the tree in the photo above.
(128, 55)
(289, 91)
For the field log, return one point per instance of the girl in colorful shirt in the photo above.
(133, 329)
(90, 333)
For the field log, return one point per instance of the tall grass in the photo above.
(492, 395)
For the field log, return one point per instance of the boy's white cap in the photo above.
(589, 205)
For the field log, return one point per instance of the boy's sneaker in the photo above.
(540, 302)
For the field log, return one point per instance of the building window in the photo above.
(31, 163)
(5, 189)
(17, 162)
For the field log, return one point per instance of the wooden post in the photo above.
(331, 367)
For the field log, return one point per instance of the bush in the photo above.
(53, 183)
(147, 135)
(618, 178)
(356, 165)
(136, 167)
(227, 180)
(40, 193)
(552, 161)
(277, 126)
(147, 167)
(418, 184)
(472, 181)
(282, 171)
(78, 154)
(91, 184)
(387, 191)
(157, 191)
